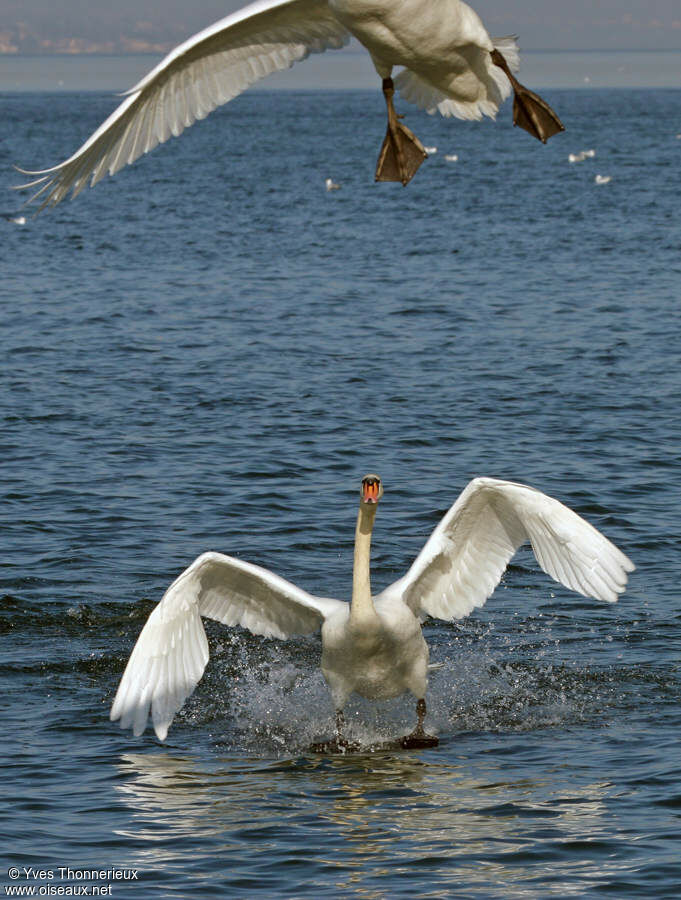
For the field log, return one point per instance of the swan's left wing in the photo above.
(204, 72)
(463, 560)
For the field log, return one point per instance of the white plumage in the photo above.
(443, 47)
(373, 646)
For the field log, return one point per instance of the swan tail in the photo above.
(450, 100)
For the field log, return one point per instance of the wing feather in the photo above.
(171, 652)
(204, 72)
(463, 560)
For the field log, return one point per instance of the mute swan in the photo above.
(372, 646)
(450, 64)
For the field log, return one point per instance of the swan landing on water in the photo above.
(372, 646)
(450, 64)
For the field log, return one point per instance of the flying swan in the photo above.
(450, 64)
(372, 646)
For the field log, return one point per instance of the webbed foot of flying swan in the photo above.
(419, 739)
(529, 110)
(402, 152)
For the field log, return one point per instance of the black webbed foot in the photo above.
(418, 740)
(401, 152)
(529, 110)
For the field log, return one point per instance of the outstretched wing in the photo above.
(171, 652)
(206, 71)
(463, 560)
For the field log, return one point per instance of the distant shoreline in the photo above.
(349, 69)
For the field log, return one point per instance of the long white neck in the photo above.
(362, 607)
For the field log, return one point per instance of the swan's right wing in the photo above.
(171, 652)
(204, 72)
(463, 560)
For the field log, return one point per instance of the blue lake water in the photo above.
(208, 352)
(350, 68)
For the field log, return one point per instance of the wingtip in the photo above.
(28, 184)
(44, 173)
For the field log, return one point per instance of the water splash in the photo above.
(269, 698)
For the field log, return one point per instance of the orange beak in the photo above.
(370, 492)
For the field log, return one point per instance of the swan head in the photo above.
(371, 490)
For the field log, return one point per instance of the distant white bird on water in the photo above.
(331, 185)
(450, 64)
(451, 157)
(372, 646)
(581, 156)
(602, 179)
